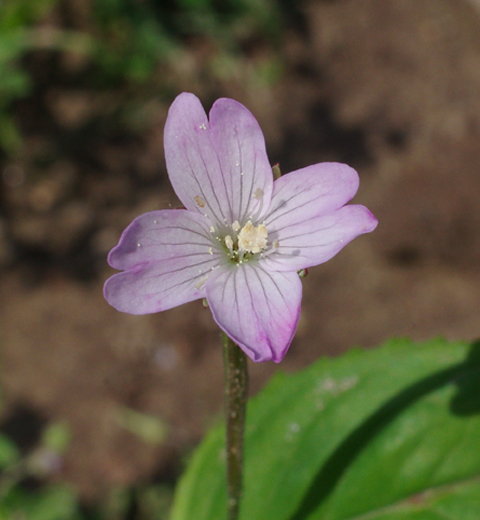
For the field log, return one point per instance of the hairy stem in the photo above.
(236, 395)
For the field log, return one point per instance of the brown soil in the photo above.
(392, 88)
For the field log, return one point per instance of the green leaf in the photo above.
(9, 453)
(55, 502)
(57, 437)
(384, 434)
(149, 428)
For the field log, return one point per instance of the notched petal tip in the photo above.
(371, 222)
(118, 253)
(213, 162)
(127, 301)
(230, 105)
(185, 101)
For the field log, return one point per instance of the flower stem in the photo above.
(236, 395)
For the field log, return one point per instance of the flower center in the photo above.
(252, 239)
(247, 241)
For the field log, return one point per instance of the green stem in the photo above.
(236, 395)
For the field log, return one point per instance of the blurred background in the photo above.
(100, 410)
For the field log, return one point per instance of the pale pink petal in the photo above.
(158, 286)
(310, 192)
(218, 168)
(161, 235)
(318, 239)
(258, 309)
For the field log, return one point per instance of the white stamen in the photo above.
(201, 282)
(272, 249)
(258, 193)
(236, 226)
(212, 229)
(210, 251)
(252, 239)
(229, 243)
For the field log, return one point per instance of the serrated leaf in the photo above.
(385, 434)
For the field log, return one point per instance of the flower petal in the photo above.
(259, 310)
(218, 168)
(310, 192)
(163, 234)
(318, 239)
(159, 286)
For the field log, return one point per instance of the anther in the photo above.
(199, 200)
(229, 243)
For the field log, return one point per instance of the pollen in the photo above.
(252, 239)
(229, 242)
(236, 226)
(200, 202)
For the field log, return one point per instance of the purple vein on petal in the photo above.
(294, 208)
(205, 197)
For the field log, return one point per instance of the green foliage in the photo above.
(132, 40)
(231, 21)
(50, 503)
(131, 43)
(15, 18)
(58, 501)
(56, 437)
(149, 428)
(9, 453)
(136, 36)
(386, 434)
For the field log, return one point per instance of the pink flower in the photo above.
(242, 237)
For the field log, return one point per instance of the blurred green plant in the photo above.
(129, 42)
(19, 35)
(135, 36)
(149, 428)
(49, 502)
(14, 80)
(58, 501)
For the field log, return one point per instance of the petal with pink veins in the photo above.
(159, 286)
(258, 309)
(316, 240)
(310, 192)
(217, 167)
(161, 235)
